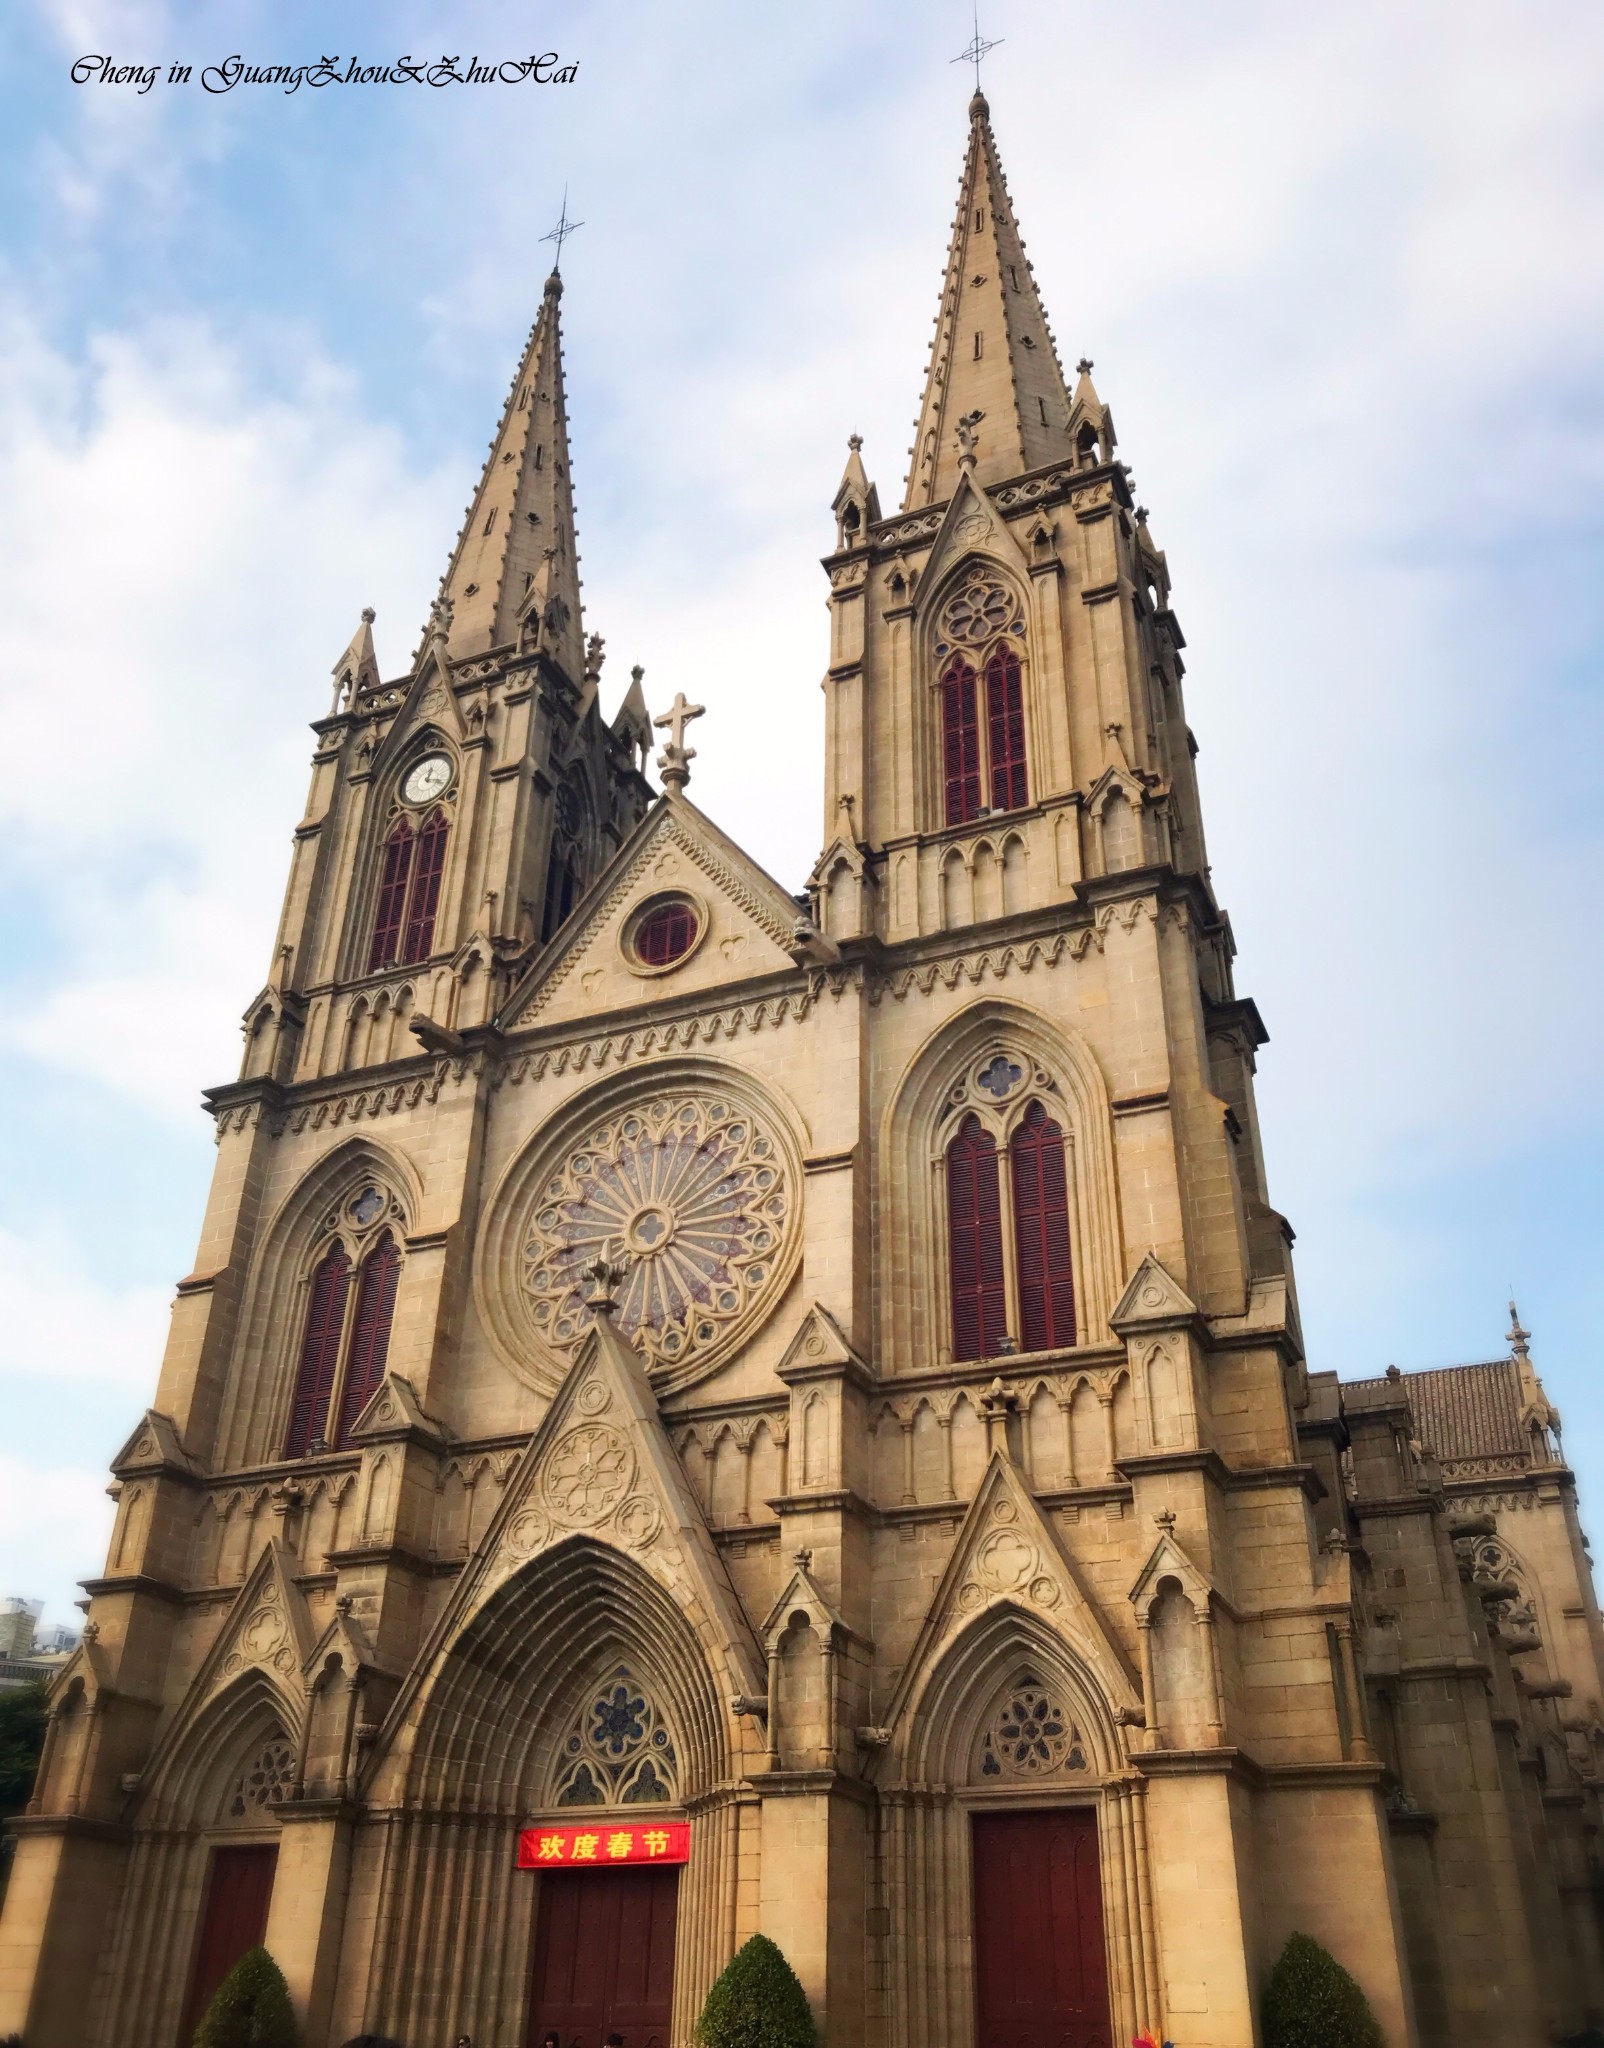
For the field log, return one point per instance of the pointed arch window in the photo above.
(320, 1350)
(960, 742)
(1005, 719)
(370, 1335)
(1010, 1263)
(1041, 1232)
(975, 1243)
(981, 636)
(390, 912)
(344, 1350)
(409, 892)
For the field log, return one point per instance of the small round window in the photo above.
(665, 934)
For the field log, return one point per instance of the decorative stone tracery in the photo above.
(1030, 1736)
(689, 1188)
(265, 1780)
(619, 1751)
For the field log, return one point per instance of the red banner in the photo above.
(592, 1846)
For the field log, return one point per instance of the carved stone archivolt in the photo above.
(692, 1188)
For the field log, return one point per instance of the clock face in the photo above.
(431, 775)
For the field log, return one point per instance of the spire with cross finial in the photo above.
(976, 50)
(513, 579)
(674, 762)
(993, 355)
(560, 233)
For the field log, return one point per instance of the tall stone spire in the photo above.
(993, 353)
(515, 570)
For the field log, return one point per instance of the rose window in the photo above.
(619, 1751)
(692, 1193)
(265, 1781)
(1030, 1735)
(979, 611)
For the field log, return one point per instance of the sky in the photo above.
(1338, 267)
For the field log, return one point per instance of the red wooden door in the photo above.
(604, 1957)
(239, 1888)
(1041, 1979)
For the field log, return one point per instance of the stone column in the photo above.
(307, 1915)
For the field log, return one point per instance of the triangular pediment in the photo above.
(347, 1639)
(1008, 1554)
(1154, 1297)
(1167, 1560)
(820, 1345)
(802, 1594)
(394, 1412)
(971, 526)
(600, 1465)
(154, 1446)
(267, 1626)
(746, 925)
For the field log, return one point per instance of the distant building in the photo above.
(18, 1620)
(26, 1651)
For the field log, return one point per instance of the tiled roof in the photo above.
(1460, 1411)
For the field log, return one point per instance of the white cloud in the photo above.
(185, 558)
(61, 1324)
(55, 1521)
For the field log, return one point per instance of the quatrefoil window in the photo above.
(1030, 1736)
(619, 1752)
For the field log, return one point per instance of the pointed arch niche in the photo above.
(213, 1786)
(1009, 1669)
(1046, 1102)
(316, 1349)
(486, 1745)
(976, 658)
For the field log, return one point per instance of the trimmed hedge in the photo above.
(1312, 2002)
(757, 2003)
(251, 2007)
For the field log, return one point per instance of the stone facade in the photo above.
(677, 1491)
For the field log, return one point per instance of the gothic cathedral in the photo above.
(702, 1410)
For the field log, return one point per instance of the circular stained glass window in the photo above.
(665, 934)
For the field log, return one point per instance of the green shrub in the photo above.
(757, 2003)
(1312, 2002)
(251, 2008)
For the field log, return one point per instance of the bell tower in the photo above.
(1004, 713)
(457, 811)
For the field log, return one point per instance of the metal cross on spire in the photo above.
(560, 233)
(977, 48)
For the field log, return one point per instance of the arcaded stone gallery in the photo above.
(702, 1410)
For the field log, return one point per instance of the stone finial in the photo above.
(606, 1276)
(854, 442)
(802, 1559)
(440, 616)
(1164, 1521)
(674, 762)
(368, 615)
(967, 439)
(1518, 1338)
(1084, 367)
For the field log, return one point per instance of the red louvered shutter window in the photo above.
(370, 1339)
(393, 877)
(425, 897)
(320, 1350)
(666, 935)
(974, 1244)
(960, 742)
(1041, 1233)
(1005, 714)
